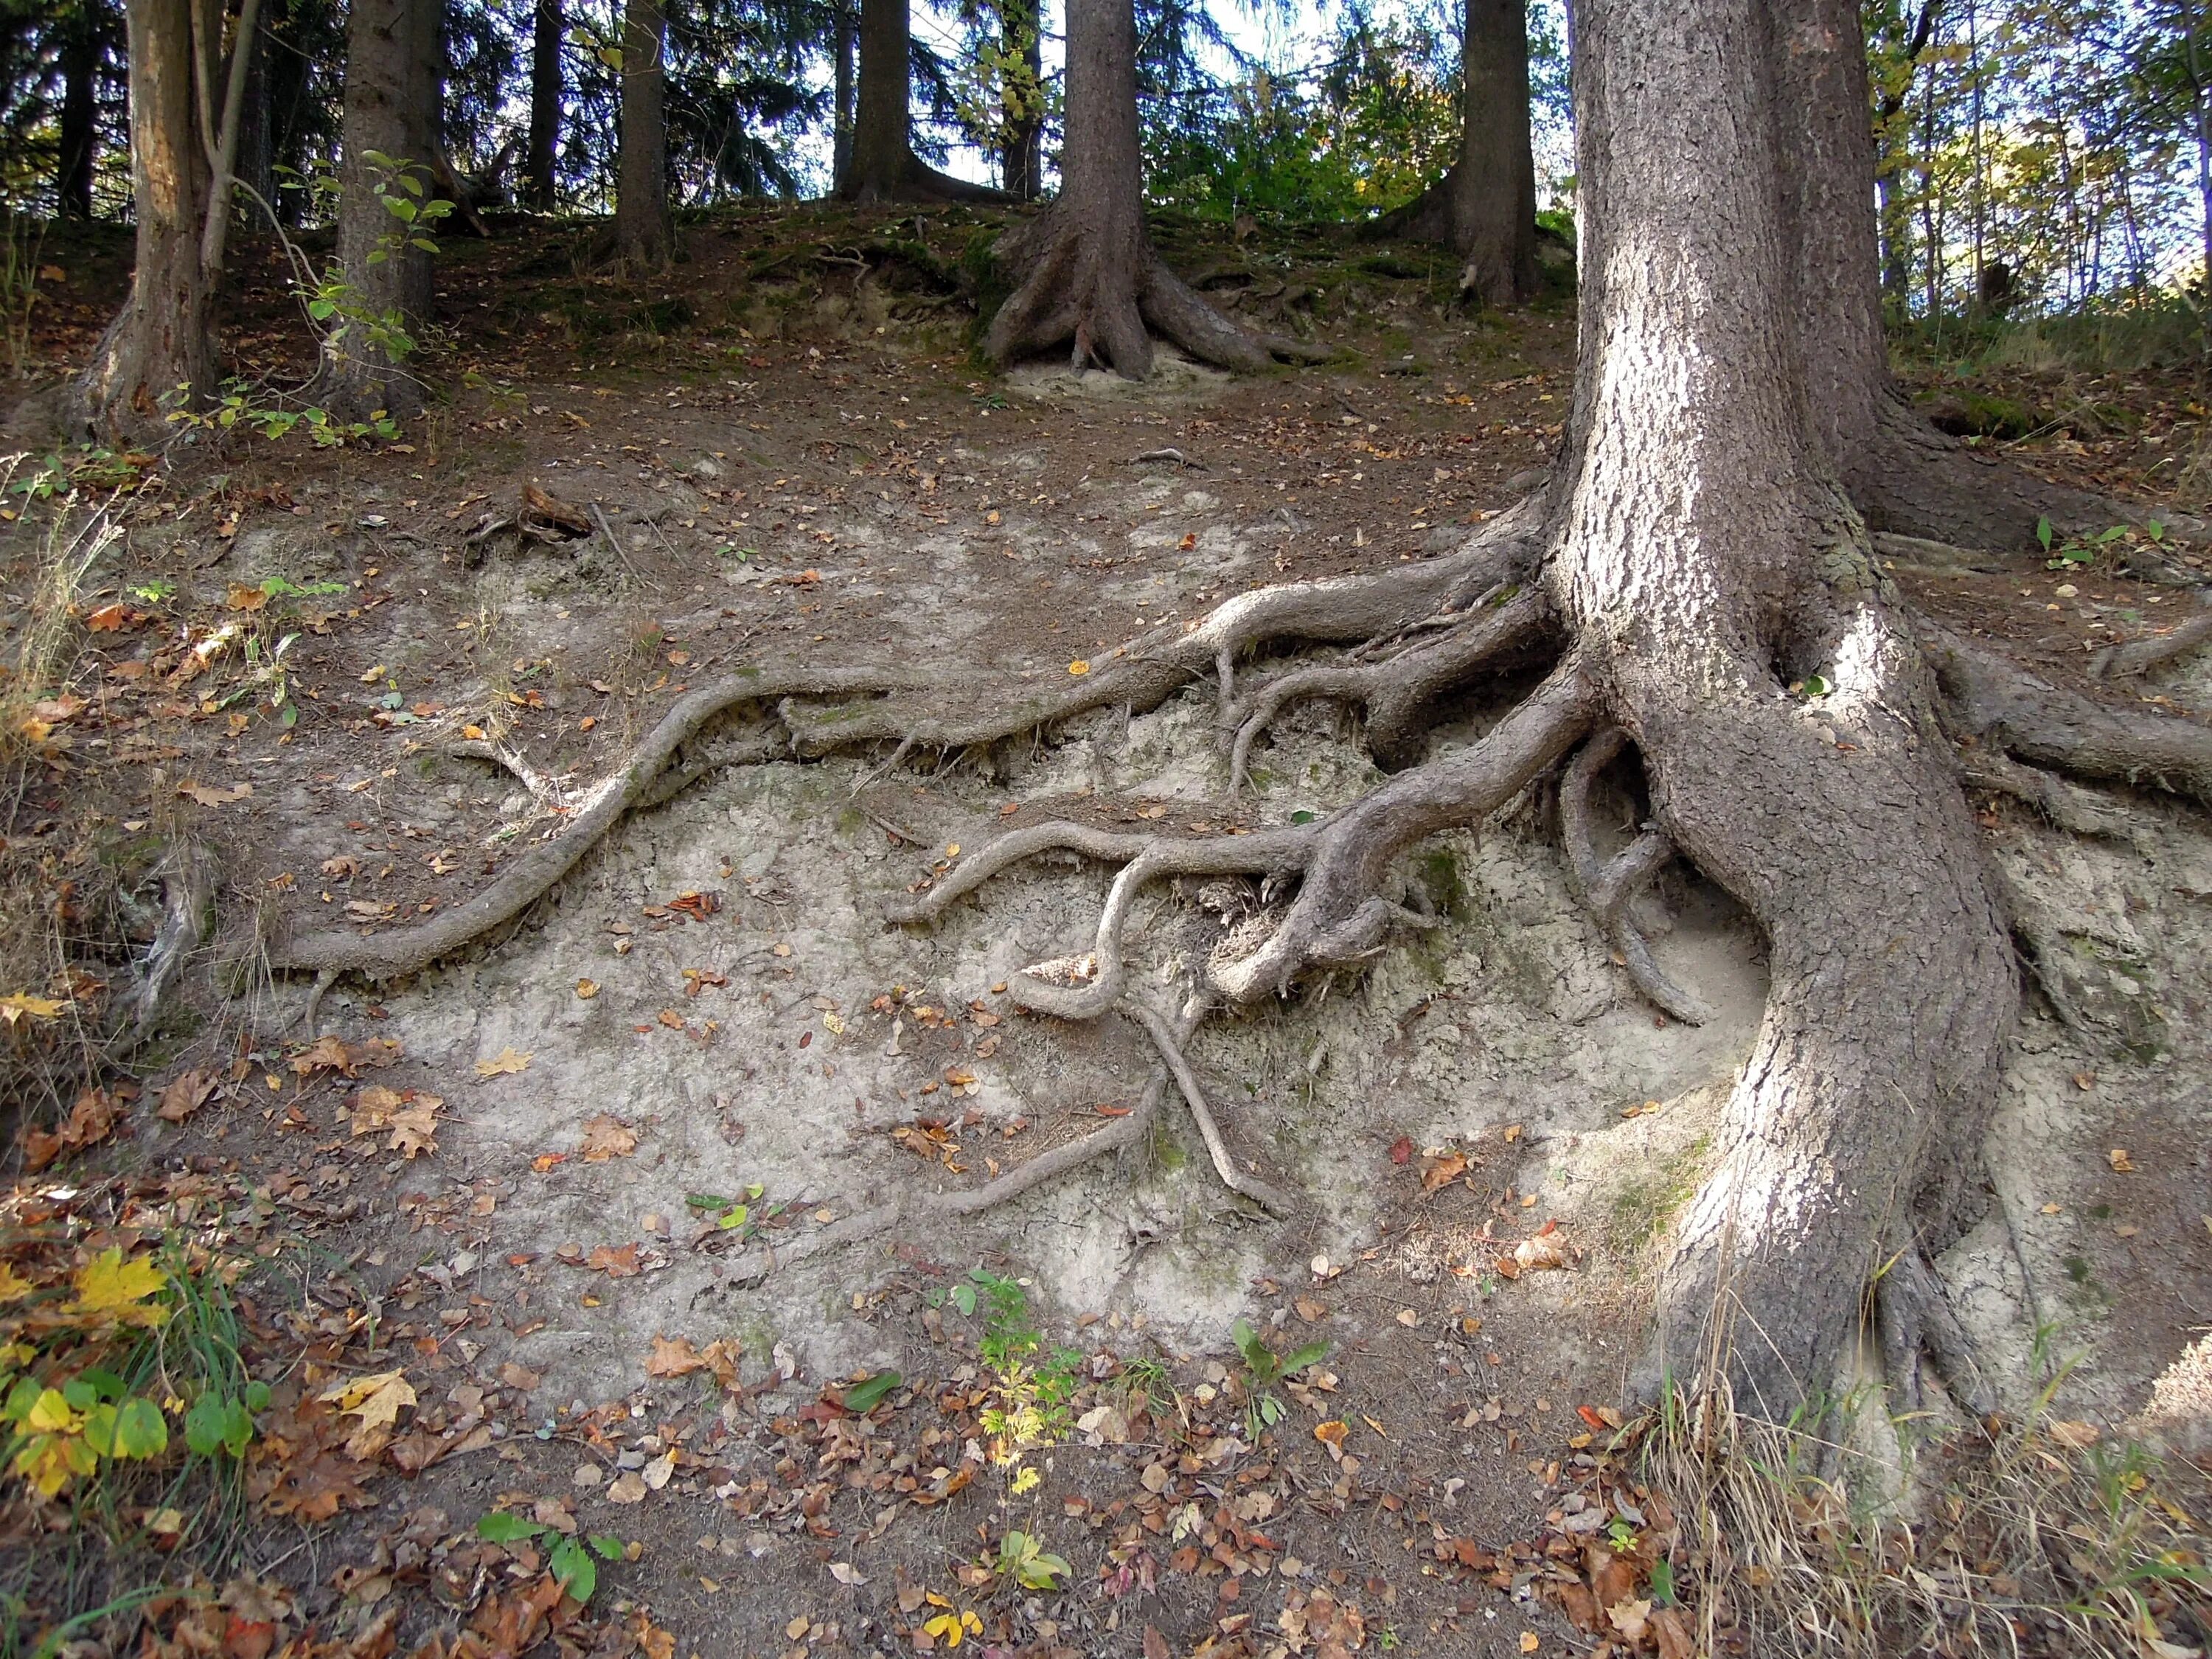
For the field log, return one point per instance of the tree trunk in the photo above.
(1021, 101)
(843, 42)
(255, 164)
(81, 44)
(1485, 208)
(1709, 554)
(645, 228)
(157, 349)
(1085, 266)
(392, 96)
(544, 106)
(883, 167)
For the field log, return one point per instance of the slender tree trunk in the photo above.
(157, 349)
(845, 39)
(645, 227)
(255, 164)
(80, 64)
(1485, 208)
(392, 98)
(544, 106)
(1085, 268)
(1021, 127)
(883, 167)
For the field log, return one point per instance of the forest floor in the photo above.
(547, 1183)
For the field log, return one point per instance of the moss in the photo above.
(1645, 1205)
(1447, 892)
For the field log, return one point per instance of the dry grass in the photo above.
(2029, 1537)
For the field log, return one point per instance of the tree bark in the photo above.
(844, 41)
(645, 227)
(391, 94)
(883, 167)
(83, 40)
(157, 349)
(1021, 99)
(1485, 208)
(544, 106)
(1085, 267)
(1708, 555)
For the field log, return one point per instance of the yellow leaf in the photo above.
(375, 1400)
(108, 1284)
(1028, 1480)
(13, 1285)
(1079, 667)
(19, 1006)
(588, 988)
(370, 677)
(47, 1462)
(505, 1062)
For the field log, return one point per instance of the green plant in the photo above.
(569, 1559)
(1023, 1560)
(19, 271)
(1263, 1369)
(1031, 1409)
(735, 1215)
(2082, 550)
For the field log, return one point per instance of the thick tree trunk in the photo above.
(883, 167)
(1085, 266)
(81, 39)
(1708, 554)
(392, 96)
(544, 106)
(157, 349)
(645, 227)
(843, 42)
(1902, 474)
(1485, 208)
(1021, 99)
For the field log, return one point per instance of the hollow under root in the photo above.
(1606, 886)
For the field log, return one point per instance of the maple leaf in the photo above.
(506, 1062)
(1441, 1170)
(13, 1285)
(607, 1136)
(107, 1284)
(672, 1357)
(330, 1053)
(19, 1006)
(414, 1127)
(373, 1109)
(88, 1122)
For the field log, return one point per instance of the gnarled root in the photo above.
(2137, 656)
(1606, 886)
(1918, 1328)
(1395, 688)
(2006, 706)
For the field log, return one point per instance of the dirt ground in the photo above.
(513, 1176)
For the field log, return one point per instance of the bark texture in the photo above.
(544, 144)
(1485, 207)
(394, 59)
(1087, 275)
(644, 226)
(883, 167)
(158, 347)
(1708, 551)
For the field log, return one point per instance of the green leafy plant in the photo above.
(1033, 1393)
(1264, 1369)
(569, 1557)
(871, 1392)
(735, 1215)
(1023, 1559)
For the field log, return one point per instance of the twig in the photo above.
(1175, 456)
(599, 517)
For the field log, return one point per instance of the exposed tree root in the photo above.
(1996, 700)
(1917, 1327)
(1606, 886)
(187, 877)
(1395, 688)
(2068, 805)
(2137, 655)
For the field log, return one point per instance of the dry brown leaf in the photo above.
(673, 1356)
(208, 794)
(1440, 1170)
(505, 1063)
(607, 1136)
(184, 1094)
(89, 1122)
(2121, 1162)
(615, 1263)
(415, 1127)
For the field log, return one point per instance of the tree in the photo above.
(1699, 591)
(159, 340)
(844, 40)
(84, 28)
(883, 167)
(1085, 267)
(1021, 100)
(538, 187)
(645, 228)
(394, 82)
(1485, 207)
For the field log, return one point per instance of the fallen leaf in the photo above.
(588, 988)
(1079, 667)
(2075, 1436)
(2121, 1162)
(1402, 1150)
(209, 795)
(1539, 1254)
(658, 1474)
(628, 1487)
(615, 1263)
(672, 1357)
(606, 1137)
(1440, 1170)
(90, 1122)
(846, 1573)
(1631, 1619)
(505, 1063)
(19, 1006)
